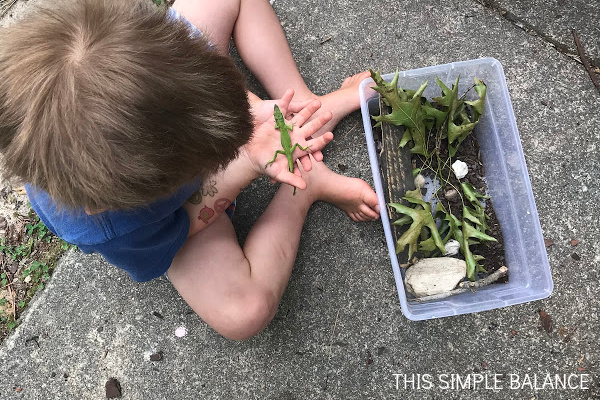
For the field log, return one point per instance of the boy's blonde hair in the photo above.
(111, 104)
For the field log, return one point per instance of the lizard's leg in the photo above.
(275, 157)
(297, 145)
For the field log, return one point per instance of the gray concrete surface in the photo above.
(339, 332)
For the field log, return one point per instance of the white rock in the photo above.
(419, 181)
(27, 279)
(452, 246)
(431, 276)
(460, 169)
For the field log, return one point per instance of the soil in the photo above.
(469, 153)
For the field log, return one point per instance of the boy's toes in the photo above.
(368, 212)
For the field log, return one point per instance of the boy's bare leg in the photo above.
(262, 44)
(237, 290)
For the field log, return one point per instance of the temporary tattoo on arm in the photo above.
(196, 197)
(222, 204)
(206, 214)
(209, 188)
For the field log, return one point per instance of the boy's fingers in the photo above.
(304, 114)
(286, 99)
(291, 179)
(315, 145)
(306, 163)
(318, 155)
(313, 126)
(297, 106)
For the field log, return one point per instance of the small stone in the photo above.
(419, 181)
(113, 388)
(27, 279)
(181, 331)
(342, 167)
(513, 333)
(431, 276)
(575, 257)
(451, 195)
(574, 242)
(3, 222)
(548, 243)
(452, 247)
(460, 169)
(156, 356)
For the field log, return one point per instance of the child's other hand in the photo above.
(266, 140)
(262, 110)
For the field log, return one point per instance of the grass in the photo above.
(36, 250)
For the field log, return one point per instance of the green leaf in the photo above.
(420, 218)
(406, 137)
(470, 232)
(471, 193)
(405, 220)
(389, 91)
(468, 215)
(478, 105)
(459, 132)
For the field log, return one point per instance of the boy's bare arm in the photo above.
(219, 190)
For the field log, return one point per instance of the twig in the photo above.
(347, 133)
(491, 278)
(466, 286)
(7, 7)
(327, 39)
(584, 60)
(440, 295)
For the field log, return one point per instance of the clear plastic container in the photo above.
(508, 185)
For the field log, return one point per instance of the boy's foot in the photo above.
(352, 195)
(340, 102)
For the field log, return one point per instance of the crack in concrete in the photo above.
(521, 23)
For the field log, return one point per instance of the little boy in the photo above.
(116, 113)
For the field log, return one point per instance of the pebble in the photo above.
(460, 169)
(452, 247)
(451, 195)
(181, 331)
(419, 181)
(113, 388)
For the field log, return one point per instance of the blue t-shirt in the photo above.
(142, 241)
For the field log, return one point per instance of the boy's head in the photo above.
(110, 104)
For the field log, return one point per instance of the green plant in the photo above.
(434, 131)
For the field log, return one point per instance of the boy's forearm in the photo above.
(218, 192)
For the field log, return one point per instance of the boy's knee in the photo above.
(247, 315)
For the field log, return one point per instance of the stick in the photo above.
(327, 39)
(466, 286)
(440, 295)
(584, 60)
(491, 278)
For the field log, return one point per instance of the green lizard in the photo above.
(286, 141)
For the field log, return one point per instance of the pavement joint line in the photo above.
(522, 24)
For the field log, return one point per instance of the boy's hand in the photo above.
(262, 110)
(266, 140)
